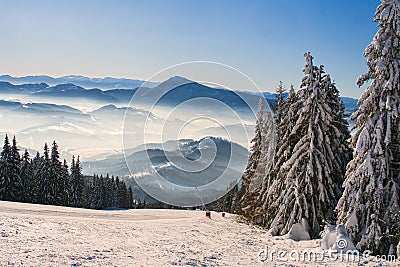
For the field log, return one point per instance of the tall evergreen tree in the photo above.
(118, 192)
(36, 166)
(259, 165)
(89, 196)
(44, 185)
(256, 146)
(371, 197)
(286, 141)
(10, 163)
(131, 200)
(96, 196)
(57, 183)
(308, 191)
(65, 185)
(26, 177)
(113, 193)
(228, 202)
(76, 184)
(341, 147)
(107, 192)
(245, 194)
(280, 101)
(5, 171)
(124, 195)
(15, 164)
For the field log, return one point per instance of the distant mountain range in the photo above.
(48, 109)
(68, 90)
(101, 83)
(144, 160)
(182, 90)
(90, 122)
(174, 91)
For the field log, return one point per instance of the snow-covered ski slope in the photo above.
(39, 235)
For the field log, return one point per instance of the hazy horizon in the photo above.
(157, 81)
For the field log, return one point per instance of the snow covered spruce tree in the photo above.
(5, 170)
(26, 176)
(10, 161)
(36, 165)
(341, 146)
(228, 202)
(371, 197)
(46, 190)
(273, 185)
(260, 162)
(56, 175)
(76, 184)
(16, 184)
(280, 101)
(306, 186)
(59, 176)
(64, 185)
(245, 195)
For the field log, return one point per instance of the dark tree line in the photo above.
(100, 192)
(228, 202)
(45, 179)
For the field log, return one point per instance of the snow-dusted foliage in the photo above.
(255, 149)
(275, 180)
(45, 186)
(45, 180)
(280, 102)
(298, 233)
(76, 183)
(10, 183)
(371, 195)
(229, 202)
(260, 162)
(336, 239)
(307, 176)
(340, 131)
(26, 174)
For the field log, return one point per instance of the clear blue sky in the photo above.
(264, 39)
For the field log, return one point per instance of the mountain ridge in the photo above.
(39, 87)
(102, 83)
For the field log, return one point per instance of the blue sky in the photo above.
(264, 39)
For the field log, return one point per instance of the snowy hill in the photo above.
(158, 158)
(39, 235)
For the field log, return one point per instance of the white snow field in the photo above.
(39, 235)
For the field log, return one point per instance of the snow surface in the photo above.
(298, 233)
(336, 238)
(38, 235)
